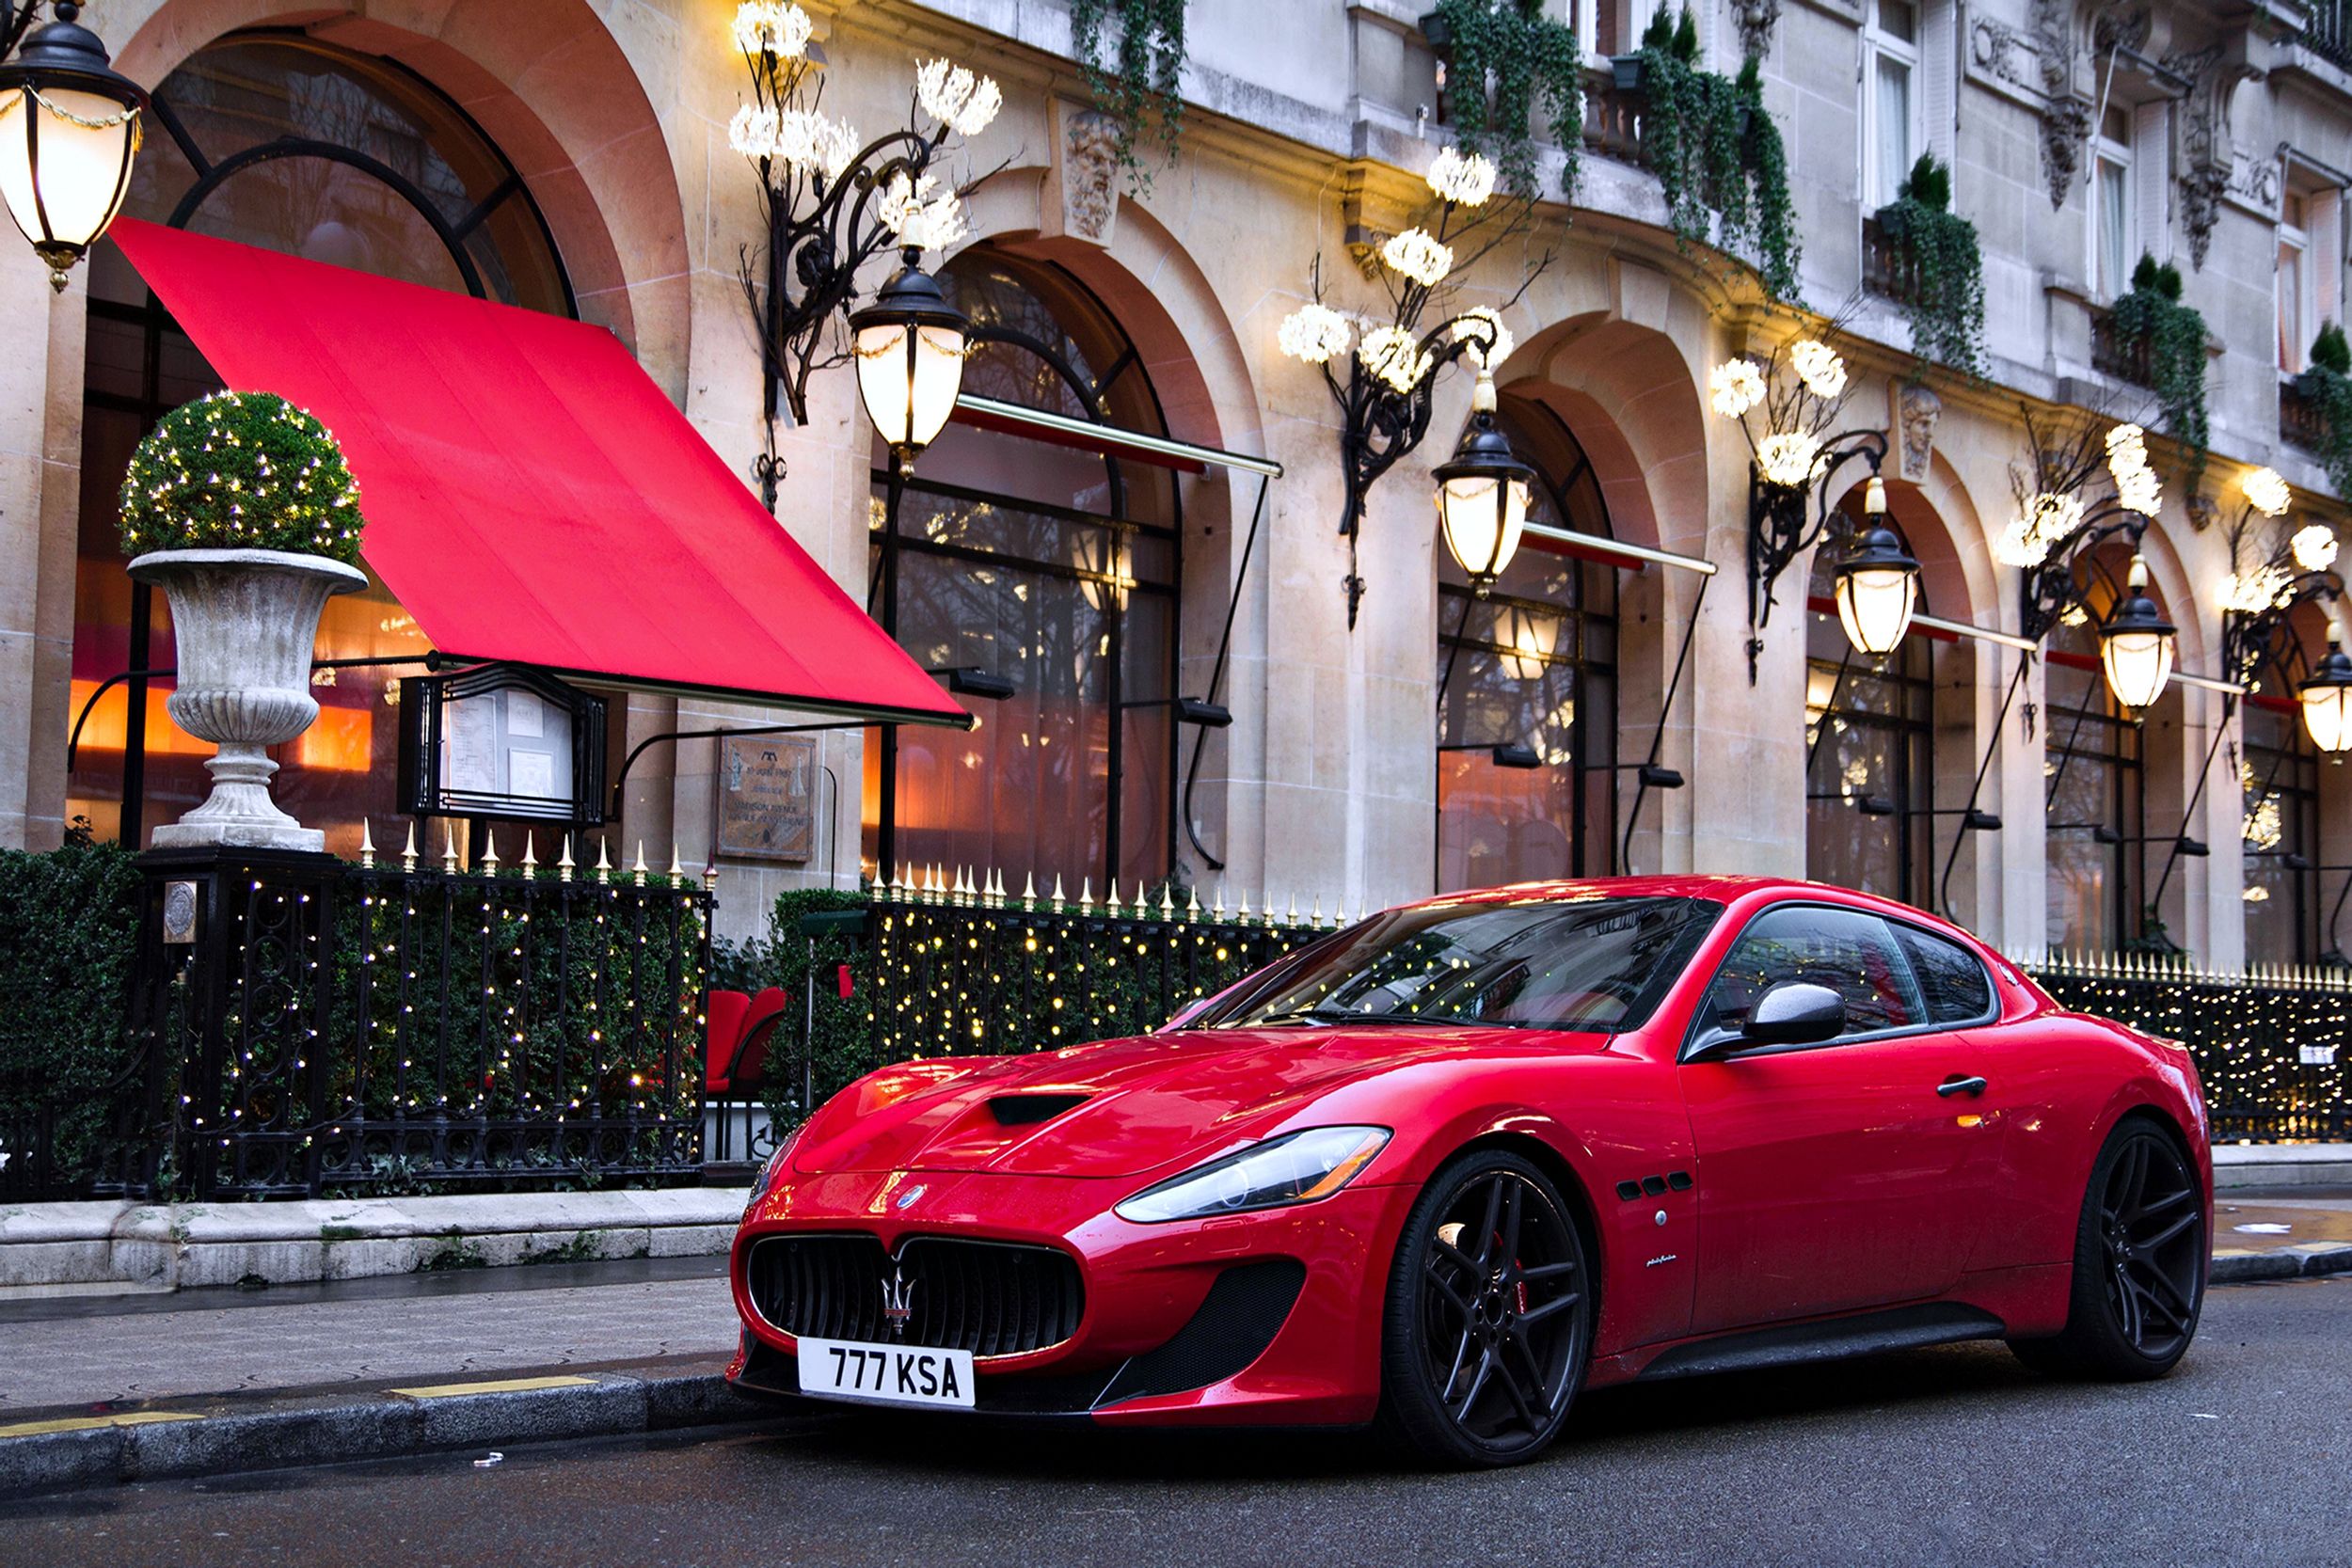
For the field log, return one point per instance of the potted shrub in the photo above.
(239, 507)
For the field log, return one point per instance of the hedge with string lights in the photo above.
(240, 470)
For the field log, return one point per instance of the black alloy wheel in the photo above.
(1489, 1315)
(2139, 1263)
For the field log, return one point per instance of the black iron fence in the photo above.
(302, 1026)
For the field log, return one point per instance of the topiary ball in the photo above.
(2330, 350)
(240, 471)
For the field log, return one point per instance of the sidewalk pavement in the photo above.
(96, 1389)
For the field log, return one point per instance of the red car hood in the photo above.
(1118, 1108)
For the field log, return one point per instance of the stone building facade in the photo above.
(1355, 772)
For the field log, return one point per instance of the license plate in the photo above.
(886, 1374)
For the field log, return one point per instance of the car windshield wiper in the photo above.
(1340, 1015)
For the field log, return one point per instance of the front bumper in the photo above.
(1271, 1318)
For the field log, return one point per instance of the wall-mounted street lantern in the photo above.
(2269, 577)
(910, 345)
(1482, 493)
(1878, 581)
(2136, 644)
(1790, 478)
(1385, 401)
(69, 127)
(829, 205)
(2327, 699)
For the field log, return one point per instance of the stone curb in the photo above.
(2305, 1261)
(171, 1439)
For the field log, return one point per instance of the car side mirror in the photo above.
(1795, 1013)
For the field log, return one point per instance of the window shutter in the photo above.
(2326, 256)
(2152, 183)
(1939, 84)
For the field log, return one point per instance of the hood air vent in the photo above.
(1028, 1110)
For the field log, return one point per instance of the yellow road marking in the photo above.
(444, 1391)
(86, 1423)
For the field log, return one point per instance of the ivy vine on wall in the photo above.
(2327, 386)
(1140, 89)
(1944, 300)
(1716, 152)
(1506, 60)
(2152, 318)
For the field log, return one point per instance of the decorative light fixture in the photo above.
(69, 127)
(2059, 524)
(830, 203)
(2328, 698)
(1482, 493)
(2136, 644)
(2274, 567)
(1786, 419)
(910, 345)
(1878, 583)
(1384, 396)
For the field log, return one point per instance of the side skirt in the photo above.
(1827, 1339)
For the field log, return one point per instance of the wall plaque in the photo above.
(767, 797)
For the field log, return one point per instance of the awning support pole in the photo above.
(1216, 671)
(1657, 737)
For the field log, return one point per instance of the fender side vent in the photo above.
(1028, 1110)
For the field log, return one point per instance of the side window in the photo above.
(1951, 981)
(1846, 950)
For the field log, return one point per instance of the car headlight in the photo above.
(1297, 1167)
(774, 1167)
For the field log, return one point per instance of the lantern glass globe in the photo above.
(65, 164)
(2137, 663)
(1484, 517)
(908, 376)
(1875, 605)
(2327, 699)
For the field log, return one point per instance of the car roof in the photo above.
(1722, 887)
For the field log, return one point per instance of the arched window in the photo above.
(1533, 665)
(2280, 774)
(1870, 754)
(2094, 805)
(277, 140)
(1053, 568)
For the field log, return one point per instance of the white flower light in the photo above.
(1734, 387)
(752, 131)
(2254, 593)
(771, 27)
(2140, 491)
(1463, 179)
(2027, 540)
(806, 139)
(1819, 367)
(1394, 356)
(1504, 343)
(1791, 460)
(2127, 450)
(919, 213)
(956, 98)
(2314, 547)
(1314, 333)
(2267, 492)
(1420, 256)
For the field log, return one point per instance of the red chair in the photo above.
(739, 1072)
(723, 1012)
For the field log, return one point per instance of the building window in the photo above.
(1533, 665)
(2113, 215)
(1869, 757)
(279, 141)
(2294, 280)
(1050, 566)
(2093, 801)
(2280, 774)
(1891, 132)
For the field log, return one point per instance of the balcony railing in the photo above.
(2300, 424)
(1890, 269)
(2329, 34)
(1612, 117)
(2129, 362)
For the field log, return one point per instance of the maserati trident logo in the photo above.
(897, 1305)
(906, 1199)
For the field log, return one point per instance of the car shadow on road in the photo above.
(1603, 1417)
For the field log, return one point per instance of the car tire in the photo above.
(2138, 1281)
(1487, 1321)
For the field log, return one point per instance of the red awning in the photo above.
(531, 495)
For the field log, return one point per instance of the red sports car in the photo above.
(1444, 1168)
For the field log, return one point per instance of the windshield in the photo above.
(1593, 964)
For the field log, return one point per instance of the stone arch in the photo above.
(1193, 353)
(554, 88)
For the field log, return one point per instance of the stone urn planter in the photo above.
(245, 622)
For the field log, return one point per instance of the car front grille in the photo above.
(992, 1298)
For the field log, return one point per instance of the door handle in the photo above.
(1960, 1084)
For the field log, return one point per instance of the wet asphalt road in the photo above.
(1955, 1455)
